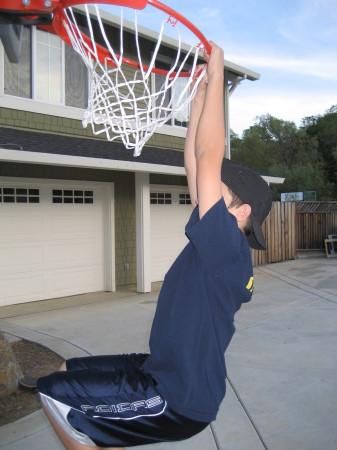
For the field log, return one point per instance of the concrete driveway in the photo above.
(282, 361)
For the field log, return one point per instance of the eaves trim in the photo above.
(30, 157)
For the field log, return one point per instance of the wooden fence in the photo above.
(280, 234)
(295, 226)
(314, 222)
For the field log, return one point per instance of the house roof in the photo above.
(31, 141)
(53, 149)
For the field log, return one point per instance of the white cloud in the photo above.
(292, 106)
(313, 19)
(322, 66)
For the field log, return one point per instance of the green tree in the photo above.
(301, 178)
(324, 129)
(251, 150)
(279, 137)
(277, 147)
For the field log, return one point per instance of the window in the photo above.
(76, 79)
(48, 67)
(172, 95)
(182, 117)
(19, 195)
(18, 76)
(48, 70)
(73, 196)
(184, 199)
(160, 198)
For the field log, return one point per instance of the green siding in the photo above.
(44, 123)
(51, 124)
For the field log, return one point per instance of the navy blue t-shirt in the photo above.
(194, 320)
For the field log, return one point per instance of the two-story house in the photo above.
(80, 214)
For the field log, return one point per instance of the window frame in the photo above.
(160, 198)
(34, 44)
(61, 110)
(171, 124)
(17, 196)
(33, 104)
(184, 198)
(69, 196)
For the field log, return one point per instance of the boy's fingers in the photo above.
(198, 71)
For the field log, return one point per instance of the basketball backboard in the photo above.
(10, 35)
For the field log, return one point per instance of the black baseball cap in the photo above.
(252, 189)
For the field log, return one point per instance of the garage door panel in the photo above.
(26, 287)
(167, 231)
(21, 288)
(80, 225)
(27, 227)
(80, 253)
(46, 256)
(18, 257)
(166, 246)
(170, 214)
(87, 279)
(51, 249)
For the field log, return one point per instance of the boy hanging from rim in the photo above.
(175, 391)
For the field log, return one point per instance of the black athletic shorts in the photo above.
(112, 401)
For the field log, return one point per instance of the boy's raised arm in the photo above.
(189, 151)
(210, 134)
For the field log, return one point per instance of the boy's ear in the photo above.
(243, 212)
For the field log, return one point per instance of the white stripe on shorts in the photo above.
(59, 411)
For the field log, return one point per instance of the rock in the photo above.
(10, 371)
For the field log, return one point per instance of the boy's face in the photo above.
(241, 213)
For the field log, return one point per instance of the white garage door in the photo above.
(170, 210)
(51, 240)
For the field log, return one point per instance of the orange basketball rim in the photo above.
(50, 15)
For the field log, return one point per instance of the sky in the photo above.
(292, 44)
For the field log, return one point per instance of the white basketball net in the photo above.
(130, 109)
